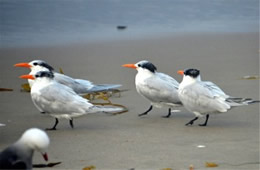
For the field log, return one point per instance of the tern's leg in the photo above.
(71, 123)
(146, 112)
(191, 122)
(169, 113)
(54, 127)
(205, 124)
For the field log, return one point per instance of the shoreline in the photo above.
(166, 35)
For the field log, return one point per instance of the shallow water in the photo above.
(38, 23)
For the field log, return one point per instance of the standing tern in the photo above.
(159, 88)
(204, 98)
(58, 100)
(80, 86)
(19, 155)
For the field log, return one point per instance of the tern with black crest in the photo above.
(159, 88)
(205, 98)
(60, 101)
(80, 86)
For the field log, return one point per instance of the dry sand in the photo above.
(127, 141)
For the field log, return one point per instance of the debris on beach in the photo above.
(201, 146)
(46, 165)
(1, 124)
(97, 95)
(25, 87)
(91, 167)
(167, 169)
(104, 95)
(61, 71)
(121, 27)
(6, 89)
(255, 77)
(211, 165)
(124, 108)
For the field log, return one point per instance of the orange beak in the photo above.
(181, 72)
(27, 77)
(129, 66)
(27, 65)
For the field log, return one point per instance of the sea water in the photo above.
(27, 23)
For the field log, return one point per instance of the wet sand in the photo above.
(127, 141)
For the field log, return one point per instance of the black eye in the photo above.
(139, 65)
(37, 75)
(35, 64)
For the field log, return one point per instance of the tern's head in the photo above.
(35, 139)
(142, 65)
(190, 75)
(36, 65)
(38, 75)
(193, 73)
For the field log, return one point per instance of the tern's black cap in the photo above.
(148, 65)
(192, 72)
(44, 74)
(43, 64)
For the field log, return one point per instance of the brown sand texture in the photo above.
(126, 141)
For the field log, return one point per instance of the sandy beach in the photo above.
(127, 141)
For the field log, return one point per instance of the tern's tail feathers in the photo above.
(110, 109)
(234, 101)
(104, 87)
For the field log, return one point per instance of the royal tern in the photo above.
(80, 86)
(159, 88)
(19, 155)
(205, 98)
(58, 100)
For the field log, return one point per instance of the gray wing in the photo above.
(78, 85)
(232, 101)
(57, 98)
(200, 98)
(214, 89)
(169, 79)
(35, 104)
(81, 86)
(161, 88)
(104, 87)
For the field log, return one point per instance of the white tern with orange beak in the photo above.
(204, 98)
(60, 101)
(80, 86)
(159, 88)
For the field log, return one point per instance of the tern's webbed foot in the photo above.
(71, 123)
(206, 121)
(142, 114)
(191, 122)
(54, 128)
(168, 115)
(146, 112)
